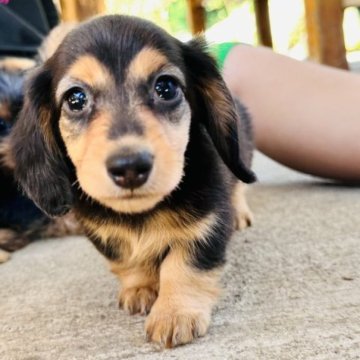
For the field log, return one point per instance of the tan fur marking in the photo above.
(91, 71)
(183, 308)
(4, 256)
(140, 287)
(6, 159)
(14, 64)
(224, 108)
(79, 143)
(5, 112)
(10, 240)
(5, 154)
(46, 127)
(88, 150)
(145, 63)
(243, 215)
(168, 228)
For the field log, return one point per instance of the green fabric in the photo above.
(220, 51)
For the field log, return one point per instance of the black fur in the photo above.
(120, 128)
(108, 250)
(17, 212)
(21, 221)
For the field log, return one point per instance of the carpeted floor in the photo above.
(291, 287)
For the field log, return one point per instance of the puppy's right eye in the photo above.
(76, 99)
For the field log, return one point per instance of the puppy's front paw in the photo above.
(243, 217)
(4, 256)
(177, 328)
(137, 300)
(11, 240)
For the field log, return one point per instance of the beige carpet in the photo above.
(291, 287)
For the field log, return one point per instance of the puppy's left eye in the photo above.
(167, 88)
(76, 99)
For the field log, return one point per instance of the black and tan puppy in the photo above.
(20, 219)
(138, 134)
(16, 211)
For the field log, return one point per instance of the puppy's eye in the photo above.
(76, 99)
(4, 127)
(167, 88)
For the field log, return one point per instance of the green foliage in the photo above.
(172, 14)
(177, 10)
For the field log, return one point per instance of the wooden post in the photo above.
(263, 22)
(324, 21)
(78, 10)
(196, 13)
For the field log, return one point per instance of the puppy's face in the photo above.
(116, 101)
(126, 137)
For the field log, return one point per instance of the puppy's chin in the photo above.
(132, 204)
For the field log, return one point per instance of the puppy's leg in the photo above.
(63, 226)
(11, 240)
(139, 288)
(243, 215)
(183, 308)
(4, 256)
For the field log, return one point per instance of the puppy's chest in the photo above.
(147, 241)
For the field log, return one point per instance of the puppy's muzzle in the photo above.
(130, 170)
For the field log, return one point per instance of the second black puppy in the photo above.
(138, 134)
(17, 212)
(21, 221)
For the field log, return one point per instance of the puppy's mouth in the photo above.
(134, 196)
(132, 202)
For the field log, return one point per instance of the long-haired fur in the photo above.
(138, 134)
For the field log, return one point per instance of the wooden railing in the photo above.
(323, 23)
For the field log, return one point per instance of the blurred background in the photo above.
(327, 31)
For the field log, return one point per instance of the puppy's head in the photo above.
(112, 110)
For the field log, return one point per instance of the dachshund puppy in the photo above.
(20, 219)
(138, 134)
(12, 203)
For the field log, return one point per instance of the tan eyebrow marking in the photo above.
(88, 70)
(91, 71)
(145, 63)
(150, 60)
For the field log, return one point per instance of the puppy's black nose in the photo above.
(130, 171)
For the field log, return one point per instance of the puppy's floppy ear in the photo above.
(40, 167)
(212, 105)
